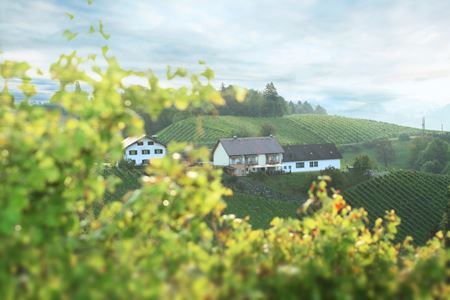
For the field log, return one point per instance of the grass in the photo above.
(419, 199)
(401, 160)
(293, 185)
(295, 129)
(260, 210)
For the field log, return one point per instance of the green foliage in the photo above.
(360, 169)
(419, 199)
(385, 151)
(267, 129)
(169, 239)
(404, 137)
(434, 157)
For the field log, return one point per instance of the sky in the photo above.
(383, 60)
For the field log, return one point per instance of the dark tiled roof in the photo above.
(310, 152)
(251, 145)
(133, 139)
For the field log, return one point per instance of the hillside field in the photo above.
(401, 159)
(293, 129)
(260, 210)
(419, 199)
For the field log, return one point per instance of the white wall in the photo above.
(323, 164)
(261, 159)
(139, 156)
(220, 156)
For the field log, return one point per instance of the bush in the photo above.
(267, 129)
(404, 137)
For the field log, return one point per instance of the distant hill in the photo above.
(293, 129)
(419, 199)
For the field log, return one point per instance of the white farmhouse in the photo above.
(309, 158)
(141, 150)
(241, 156)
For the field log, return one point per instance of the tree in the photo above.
(434, 157)
(267, 129)
(320, 110)
(385, 151)
(306, 108)
(416, 146)
(361, 167)
(275, 104)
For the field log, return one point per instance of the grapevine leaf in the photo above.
(102, 32)
(70, 15)
(69, 35)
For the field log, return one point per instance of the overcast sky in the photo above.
(385, 60)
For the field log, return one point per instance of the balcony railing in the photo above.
(273, 161)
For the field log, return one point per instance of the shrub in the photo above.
(404, 137)
(267, 129)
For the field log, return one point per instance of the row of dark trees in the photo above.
(267, 103)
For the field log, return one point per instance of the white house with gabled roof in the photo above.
(141, 150)
(241, 156)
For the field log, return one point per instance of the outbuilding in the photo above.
(309, 158)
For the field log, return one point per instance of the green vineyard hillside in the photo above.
(260, 210)
(294, 129)
(419, 199)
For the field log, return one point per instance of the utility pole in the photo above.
(423, 126)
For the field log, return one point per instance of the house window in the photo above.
(300, 165)
(158, 151)
(290, 167)
(140, 143)
(284, 167)
(146, 151)
(313, 164)
(132, 152)
(150, 143)
(133, 161)
(145, 161)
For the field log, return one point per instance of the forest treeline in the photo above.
(266, 103)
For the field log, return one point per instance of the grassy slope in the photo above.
(260, 210)
(420, 200)
(295, 129)
(401, 161)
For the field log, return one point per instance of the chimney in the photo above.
(154, 136)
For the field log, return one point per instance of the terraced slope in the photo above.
(208, 129)
(343, 130)
(419, 199)
(295, 129)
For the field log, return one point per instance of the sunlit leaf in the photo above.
(101, 30)
(70, 15)
(69, 35)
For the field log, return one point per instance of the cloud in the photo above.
(388, 60)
